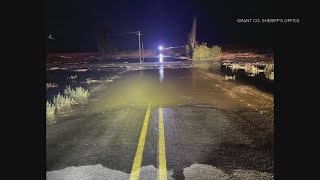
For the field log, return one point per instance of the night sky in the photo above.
(74, 23)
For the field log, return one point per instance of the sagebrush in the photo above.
(62, 102)
(203, 52)
(50, 109)
(79, 94)
(269, 71)
(229, 77)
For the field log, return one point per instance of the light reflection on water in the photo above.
(161, 71)
(161, 74)
(161, 58)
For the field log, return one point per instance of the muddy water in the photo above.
(160, 86)
(259, 81)
(73, 78)
(178, 87)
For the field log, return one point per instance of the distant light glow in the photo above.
(160, 48)
(160, 58)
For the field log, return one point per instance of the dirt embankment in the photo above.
(66, 57)
(89, 56)
(245, 55)
(227, 54)
(239, 52)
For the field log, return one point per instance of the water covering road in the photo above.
(165, 123)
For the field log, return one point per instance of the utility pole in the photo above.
(139, 34)
(142, 52)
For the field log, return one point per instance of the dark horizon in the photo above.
(74, 24)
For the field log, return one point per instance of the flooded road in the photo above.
(165, 123)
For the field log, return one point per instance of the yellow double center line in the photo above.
(162, 149)
(138, 158)
(162, 175)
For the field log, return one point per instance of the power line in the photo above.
(134, 32)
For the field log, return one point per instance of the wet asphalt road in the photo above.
(200, 142)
